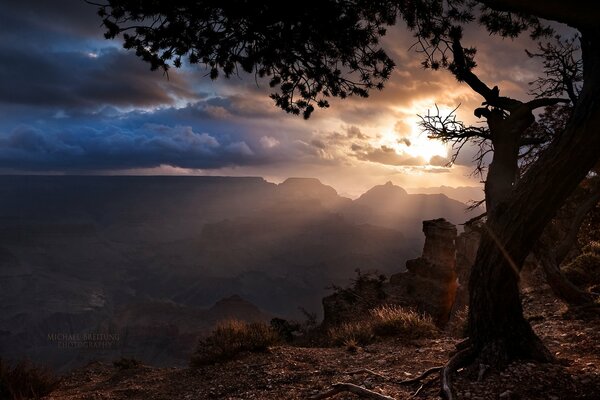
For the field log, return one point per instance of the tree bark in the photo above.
(505, 133)
(497, 327)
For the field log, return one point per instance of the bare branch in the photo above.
(563, 69)
(544, 102)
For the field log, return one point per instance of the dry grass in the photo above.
(25, 381)
(392, 320)
(231, 338)
(352, 334)
(384, 321)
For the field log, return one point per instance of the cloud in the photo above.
(112, 148)
(385, 155)
(240, 148)
(355, 132)
(318, 144)
(439, 161)
(74, 80)
(72, 101)
(268, 142)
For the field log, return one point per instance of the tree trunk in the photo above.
(497, 328)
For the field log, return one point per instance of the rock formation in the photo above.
(430, 282)
(428, 285)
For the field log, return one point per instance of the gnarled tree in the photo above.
(311, 51)
(514, 139)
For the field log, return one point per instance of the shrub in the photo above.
(584, 269)
(230, 338)
(291, 331)
(25, 381)
(392, 320)
(366, 288)
(358, 333)
(383, 321)
(351, 346)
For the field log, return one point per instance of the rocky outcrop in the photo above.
(430, 283)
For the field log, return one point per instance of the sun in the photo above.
(406, 138)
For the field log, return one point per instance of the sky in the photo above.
(72, 102)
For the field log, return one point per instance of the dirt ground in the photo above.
(287, 372)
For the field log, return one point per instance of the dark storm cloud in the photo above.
(52, 54)
(55, 17)
(84, 80)
(149, 146)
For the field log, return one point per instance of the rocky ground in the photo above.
(287, 372)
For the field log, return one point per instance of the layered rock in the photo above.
(430, 283)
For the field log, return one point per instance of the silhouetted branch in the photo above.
(563, 69)
(544, 102)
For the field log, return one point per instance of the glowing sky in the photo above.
(72, 102)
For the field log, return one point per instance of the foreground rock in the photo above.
(430, 282)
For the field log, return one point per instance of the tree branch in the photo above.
(462, 71)
(555, 10)
(544, 102)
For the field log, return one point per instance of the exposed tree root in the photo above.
(366, 371)
(465, 355)
(459, 360)
(418, 391)
(420, 377)
(352, 388)
(421, 387)
(464, 344)
(388, 379)
(369, 394)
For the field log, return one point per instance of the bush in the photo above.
(383, 321)
(584, 270)
(358, 333)
(392, 320)
(25, 381)
(291, 331)
(366, 289)
(230, 338)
